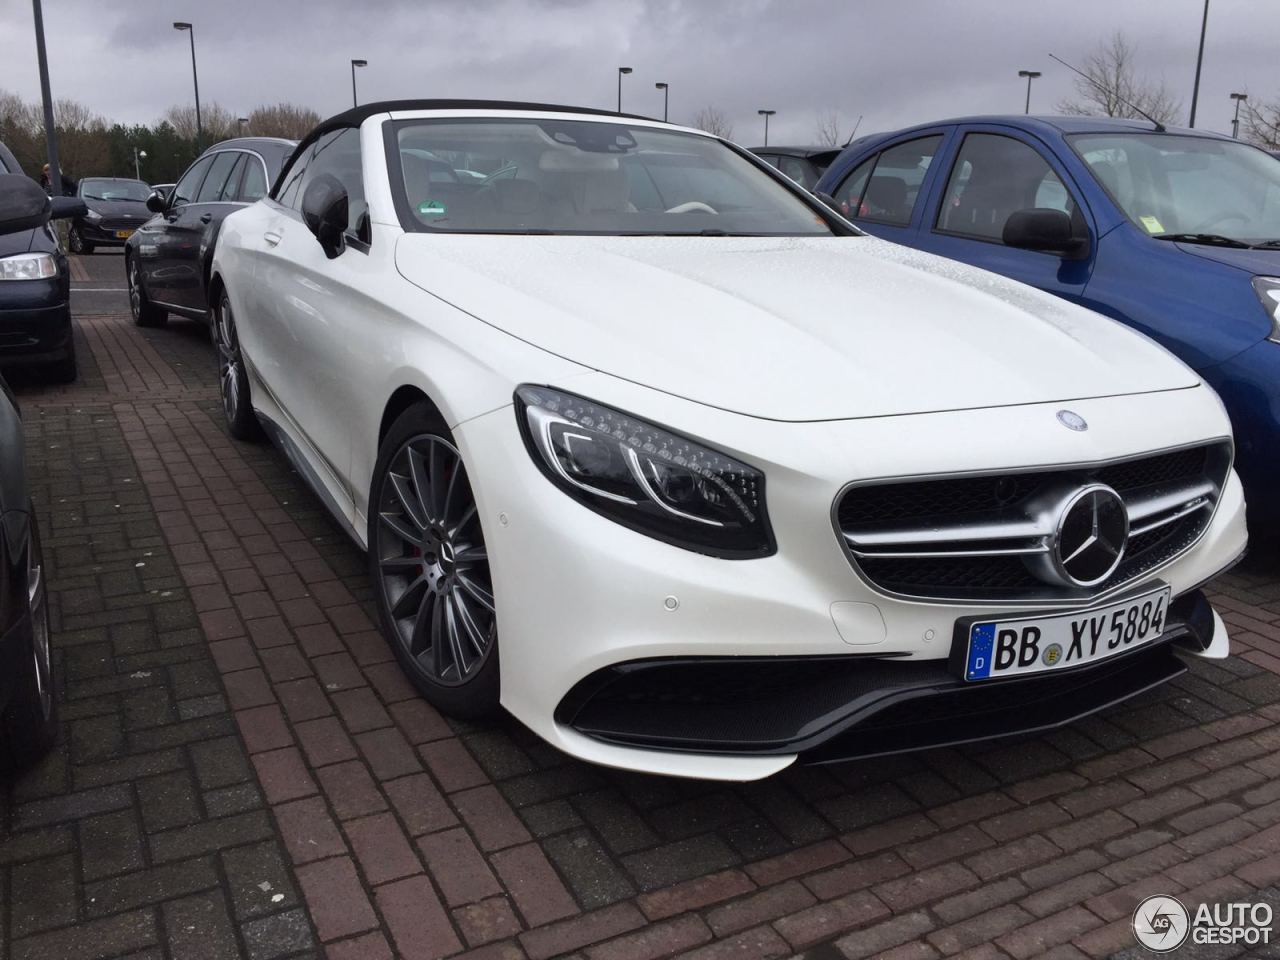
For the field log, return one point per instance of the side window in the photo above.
(232, 187)
(994, 176)
(217, 178)
(338, 155)
(254, 186)
(186, 189)
(891, 191)
(797, 170)
(290, 188)
(849, 193)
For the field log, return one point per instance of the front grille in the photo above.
(121, 223)
(983, 537)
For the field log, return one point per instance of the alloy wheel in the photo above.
(135, 289)
(432, 563)
(229, 358)
(37, 603)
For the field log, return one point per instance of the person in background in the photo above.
(68, 185)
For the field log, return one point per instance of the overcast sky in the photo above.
(896, 62)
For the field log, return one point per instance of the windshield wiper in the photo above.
(1210, 239)
(1267, 245)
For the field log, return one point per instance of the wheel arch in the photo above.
(403, 398)
(215, 287)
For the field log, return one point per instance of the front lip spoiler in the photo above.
(843, 708)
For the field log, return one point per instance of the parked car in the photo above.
(804, 165)
(115, 208)
(1173, 232)
(28, 708)
(655, 450)
(167, 260)
(35, 285)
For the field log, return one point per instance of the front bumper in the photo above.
(104, 234)
(578, 594)
(35, 320)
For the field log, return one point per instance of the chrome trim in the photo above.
(1145, 508)
(1189, 509)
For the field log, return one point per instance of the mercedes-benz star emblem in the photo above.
(1072, 420)
(1093, 527)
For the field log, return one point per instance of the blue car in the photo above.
(1173, 232)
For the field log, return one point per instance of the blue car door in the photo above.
(883, 193)
(989, 172)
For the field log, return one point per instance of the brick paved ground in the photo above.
(244, 771)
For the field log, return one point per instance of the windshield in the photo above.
(1169, 184)
(114, 190)
(577, 176)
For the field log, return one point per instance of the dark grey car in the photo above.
(167, 259)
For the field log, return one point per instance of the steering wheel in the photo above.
(691, 205)
(1208, 225)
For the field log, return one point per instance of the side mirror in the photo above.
(68, 208)
(1050, 231)
(23, 205)
(156, 202)
(324, 211)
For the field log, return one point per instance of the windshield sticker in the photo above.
(1152, 224)
(431, 208)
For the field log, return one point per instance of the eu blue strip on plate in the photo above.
(982, 641)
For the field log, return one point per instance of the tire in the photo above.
(29, 725)
(64, 370)
(145, 313)
(233, 378)
(430, 569)
(77, 243)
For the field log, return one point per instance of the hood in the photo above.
(795, 329)
(119, 208)
(1255, 262)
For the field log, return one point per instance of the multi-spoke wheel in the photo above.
(29, 723)
(428, 558)
(145, 313)
(233, 379)
(77, 243)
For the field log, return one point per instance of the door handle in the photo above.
(272, 237)
(205, 218)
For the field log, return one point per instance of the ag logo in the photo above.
(1052, 654)
(1161, 923)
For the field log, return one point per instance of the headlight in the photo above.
(28, 266)
(1268, 290)
(645, 477)
(93, 215)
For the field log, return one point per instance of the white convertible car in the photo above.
(656, 451)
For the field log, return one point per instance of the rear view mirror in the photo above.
(68, 208)
(324, 211)
(156, 202)
(23, 205)
(1050, 231)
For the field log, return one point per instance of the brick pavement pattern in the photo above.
(244, 771)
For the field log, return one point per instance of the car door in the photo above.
(191, 230)
(308, 323)
(884, 193)
(993, 172)
(155, 247)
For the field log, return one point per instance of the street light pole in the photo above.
(622, 71)
(1195, 91)
(766, 114)
(243, 122)
(666, 90)
(354, 64)
(1030, 75)
(195, 78)
(137, 168)
(1235, 122)
(50, 131)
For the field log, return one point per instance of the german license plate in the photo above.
(1010, 648)
(123, 234)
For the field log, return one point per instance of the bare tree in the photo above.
(714, 122)
(1260, 123)
(217, 121)
(827, 129)
(282, 120)
(1113, 84)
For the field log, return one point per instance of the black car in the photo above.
(804, 165)
(116, 208)
(35, 285)
(167, 259)
(28, 708)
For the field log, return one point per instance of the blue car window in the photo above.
(889, 193)
(849, 193)
(993, 177)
